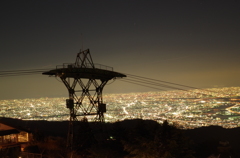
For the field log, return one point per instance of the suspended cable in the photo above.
(142, 85)
(134, 79)
(144, 81)
(21, 72)
(135, 76)
(154, 84)
(167, 86)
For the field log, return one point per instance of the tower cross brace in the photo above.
(84, 80)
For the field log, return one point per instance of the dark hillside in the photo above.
(140, 138)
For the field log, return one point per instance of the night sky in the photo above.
(190, 42)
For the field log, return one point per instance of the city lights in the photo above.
(188, 109)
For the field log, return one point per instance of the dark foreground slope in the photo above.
(139, 138)
(215, 140)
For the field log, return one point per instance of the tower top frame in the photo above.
(84, 68)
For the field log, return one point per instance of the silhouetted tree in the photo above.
(107, 143)
(171, 143)
(139, 141)
(165, 141)
(83, 136)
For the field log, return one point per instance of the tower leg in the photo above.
(92, 89)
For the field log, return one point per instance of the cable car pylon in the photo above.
(84, 80)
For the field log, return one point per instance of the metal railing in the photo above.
(104, 67)
(96, 66)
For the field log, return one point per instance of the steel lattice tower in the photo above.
(84, 79)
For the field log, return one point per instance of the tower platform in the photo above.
(87, 73)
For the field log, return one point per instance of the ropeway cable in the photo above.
(133, 79)
(154, 84)
(21, 72)
(140, 84)
(144, 81)
(181, 85)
